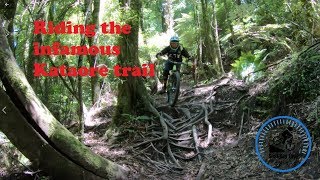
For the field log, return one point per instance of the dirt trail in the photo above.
(228, 155)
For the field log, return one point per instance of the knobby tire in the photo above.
(174, 83)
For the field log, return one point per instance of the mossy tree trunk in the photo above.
(210, 44)
(132, 94)
(9, 12)
(35, 147)
(41, 132)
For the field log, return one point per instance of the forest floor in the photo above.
(230, 154)
(227, 156)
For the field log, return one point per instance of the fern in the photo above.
(248, 63)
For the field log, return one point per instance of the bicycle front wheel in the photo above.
(173, 88)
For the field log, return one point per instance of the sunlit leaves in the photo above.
(188, 33)
(248, 63)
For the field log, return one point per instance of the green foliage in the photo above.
(248, 63)
(10, 157)
(146, 52)
(269, 12)
(188, 33)
(151, 20)
(242, 13)
(272, 37)
(277, 28)
(300, 79)
(281, 27)
(314, 114)
(52, 91)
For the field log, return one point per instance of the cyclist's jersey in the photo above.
(175, 54)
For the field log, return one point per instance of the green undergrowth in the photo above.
(295, 88)
(299, 79)
(292, 87)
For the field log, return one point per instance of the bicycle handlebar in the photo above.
(187, 64)
(175, 62)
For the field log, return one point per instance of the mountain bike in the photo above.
(173, 86)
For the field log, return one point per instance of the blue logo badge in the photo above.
(283, 144)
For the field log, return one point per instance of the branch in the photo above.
(164, 156)
(148, 141)
(201, 171)
(27, 7)
(65, 10)
(74, 94)
(241, 125)
(172, 156)
(262, 69)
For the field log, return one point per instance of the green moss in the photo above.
(265, 101)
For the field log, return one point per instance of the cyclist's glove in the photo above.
(158, 56)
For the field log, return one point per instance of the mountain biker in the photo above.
(174, 52)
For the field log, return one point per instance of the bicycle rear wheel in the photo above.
(173, 88)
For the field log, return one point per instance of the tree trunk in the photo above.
(210, 45)
(44, 130)
(35, 147)
(229, 22)
(168, 13)
(216, 45)
(207, 41)
(132, 94)
(167, 16)
(93, 60)
(86, 12)
(163, 18)
(9, 13)
(199, 42)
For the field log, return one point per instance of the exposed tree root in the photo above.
(201, 171)
(173, 138)
(196, 142)
(183, 132)
(208, 124)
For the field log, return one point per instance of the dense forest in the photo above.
(80, 89)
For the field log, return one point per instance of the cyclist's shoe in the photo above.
(162, 91)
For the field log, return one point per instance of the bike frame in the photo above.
(173, 90)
